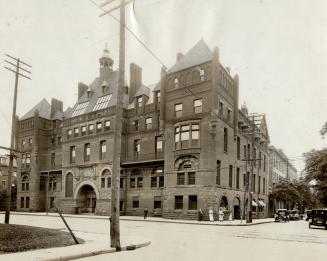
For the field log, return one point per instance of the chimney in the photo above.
(179, 56)
(135, 79)
(56, 105)
(82, 88)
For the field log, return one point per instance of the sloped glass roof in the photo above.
(80, 108)
(102, 102)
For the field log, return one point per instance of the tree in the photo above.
(316, 169)
(323, 130)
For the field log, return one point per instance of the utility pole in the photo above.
(115, 188)
(17, 65)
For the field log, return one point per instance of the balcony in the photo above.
(143, 157)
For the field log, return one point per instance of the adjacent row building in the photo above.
(185, 145)
(4, 168)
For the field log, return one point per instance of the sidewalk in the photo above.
(95, 244)
(157, 219)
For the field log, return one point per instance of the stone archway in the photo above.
(86, 198)
(237, 208)
(223, 203)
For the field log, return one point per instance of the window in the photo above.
(264, 185)
(237, 178)
(197, 105)
(259, 184)
(178, 110)
(22, 202)
(253, 183)
(137, 149)
(161, 181)
(107, 125)
(230, 176)
(76, 132)
(154, 182)
(218, 172)
(221, 108)
(180, 178)
(51, 202)
(158, 97)
(80, 108)
(102, 102)
(225, 140)
(136, 204)
(255, 157)
(103, 149)
(260, 159)
(99, 126)
(109, 182)
(132, 183)
(157, 202)
(83, 130)
(238, 148)
(69, 133)
(191, 178)
(229, 115)
(28, 160)
(201, 75)
(59, 140)
(87, 152)
(69, 185)
(91, 128)
(121, 183)
(176, 83)
(140, 182)
(185, 136)
(53, 159)
(244, 152)
(159, 146)
(136, 125)
(103, 182)
(264, 162)
(72, 154)
(53, 184)
(30, 141)
(105, 178)
(139, 102)
(148, 123)
(3, 184)
(23, 143)
(178, 202)
(192, 202)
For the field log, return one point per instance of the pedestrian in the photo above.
(211, 215)
(145, 213)
(221, 215)
(200, 215)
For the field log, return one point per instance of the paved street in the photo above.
(273, 241)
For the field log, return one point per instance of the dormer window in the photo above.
(176, 83)
(105, 87)
(139, 102)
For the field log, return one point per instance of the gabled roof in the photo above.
(142, 90)
(200, 53)
(96, 88)
(44, 109)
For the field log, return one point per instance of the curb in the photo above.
(171, 221)
(98, 252)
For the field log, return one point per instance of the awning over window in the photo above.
(254, 204)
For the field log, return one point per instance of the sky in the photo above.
(277, 47)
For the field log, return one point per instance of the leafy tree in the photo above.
(316, 169)
(323, 130)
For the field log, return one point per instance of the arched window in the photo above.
(202, 75)
(106, 179)
(69, 185)
(25, 183)
(176, 83)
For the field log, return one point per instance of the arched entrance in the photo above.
(86, 199)
(223, 203)
(237, 208)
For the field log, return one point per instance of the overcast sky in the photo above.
(278, 48)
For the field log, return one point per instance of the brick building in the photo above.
(4, 167)
(184, 142)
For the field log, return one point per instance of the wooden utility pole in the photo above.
(115, 186)
(17, 64)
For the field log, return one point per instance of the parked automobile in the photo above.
(294, 215)
(318, 218)
(282, 215)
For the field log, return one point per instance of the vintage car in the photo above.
(318, 217)
(281, 215)
(294, 215)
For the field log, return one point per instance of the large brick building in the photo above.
(184, 142)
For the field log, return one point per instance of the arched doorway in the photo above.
(237, 208)
(86, 199)
(223, 203)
